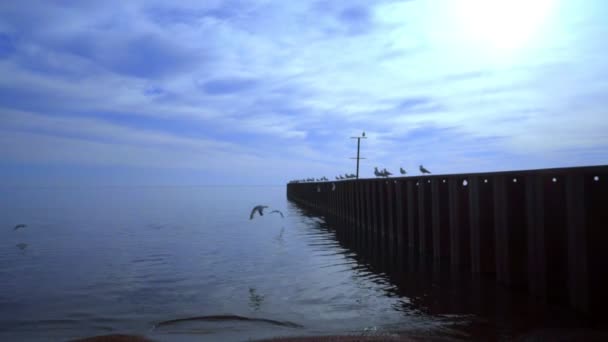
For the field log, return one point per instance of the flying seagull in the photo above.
(423, 170)
(277, 211)
(21, 225)
(259, 209)
(402, 171)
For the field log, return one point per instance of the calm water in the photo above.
(118, 260)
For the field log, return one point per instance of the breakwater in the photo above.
(542, 232)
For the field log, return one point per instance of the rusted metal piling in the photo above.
(544, 232)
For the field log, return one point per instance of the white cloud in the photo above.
(314, 73)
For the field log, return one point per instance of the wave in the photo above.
(215, 318)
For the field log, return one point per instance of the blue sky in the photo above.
(261, 92)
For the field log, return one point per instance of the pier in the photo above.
(539, 232)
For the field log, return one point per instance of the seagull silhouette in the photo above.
(277, 211)
(385, 173)
(259, 209)
(402, 171)
(376, 172)
(21, 225)
(423, 170)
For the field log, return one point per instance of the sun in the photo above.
(501, 24)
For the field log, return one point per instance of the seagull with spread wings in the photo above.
(259, 209)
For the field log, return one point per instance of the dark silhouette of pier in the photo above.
(542, 233)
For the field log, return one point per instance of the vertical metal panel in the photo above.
(537, 272)
(500, 226)
(421, 218)
(481, 221)
(425, 233)
(555, 236)
(578, 244)
(464, 224)
(474, 216)
(390, 219)
(597, 226)
(412, 218)
(382, 215)
(374, 217)
(400, 216)
(357, 206)
(510, 223)
(366, 214)
(440, 221)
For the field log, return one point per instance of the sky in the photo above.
(261, 92)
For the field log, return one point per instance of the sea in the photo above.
(188, 264)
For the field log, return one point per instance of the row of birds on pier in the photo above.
(386, 173)
(378, 173)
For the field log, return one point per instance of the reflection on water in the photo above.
(255, 300)
(120, 260)
(468, 306)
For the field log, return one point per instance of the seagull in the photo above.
(363, 134)
(21, 225)
(423, 170)
(277, 211)
(385, 173)
(376, 172)
(259, 209)
(337, 178)
(402, 171)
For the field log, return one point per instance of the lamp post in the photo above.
(358, 149)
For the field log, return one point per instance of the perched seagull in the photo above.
(423, 170)
(402, 171)
(337, 178)
(376, 172)
(21, 225)
(277, 211)
(363, 134)
(341, 177)
(385, 173)
(259, 209)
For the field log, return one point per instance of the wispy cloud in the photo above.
(255, 85)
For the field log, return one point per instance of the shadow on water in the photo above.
(473, 307)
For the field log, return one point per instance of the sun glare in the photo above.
(501, 24)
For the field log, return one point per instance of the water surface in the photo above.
(102, 260)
